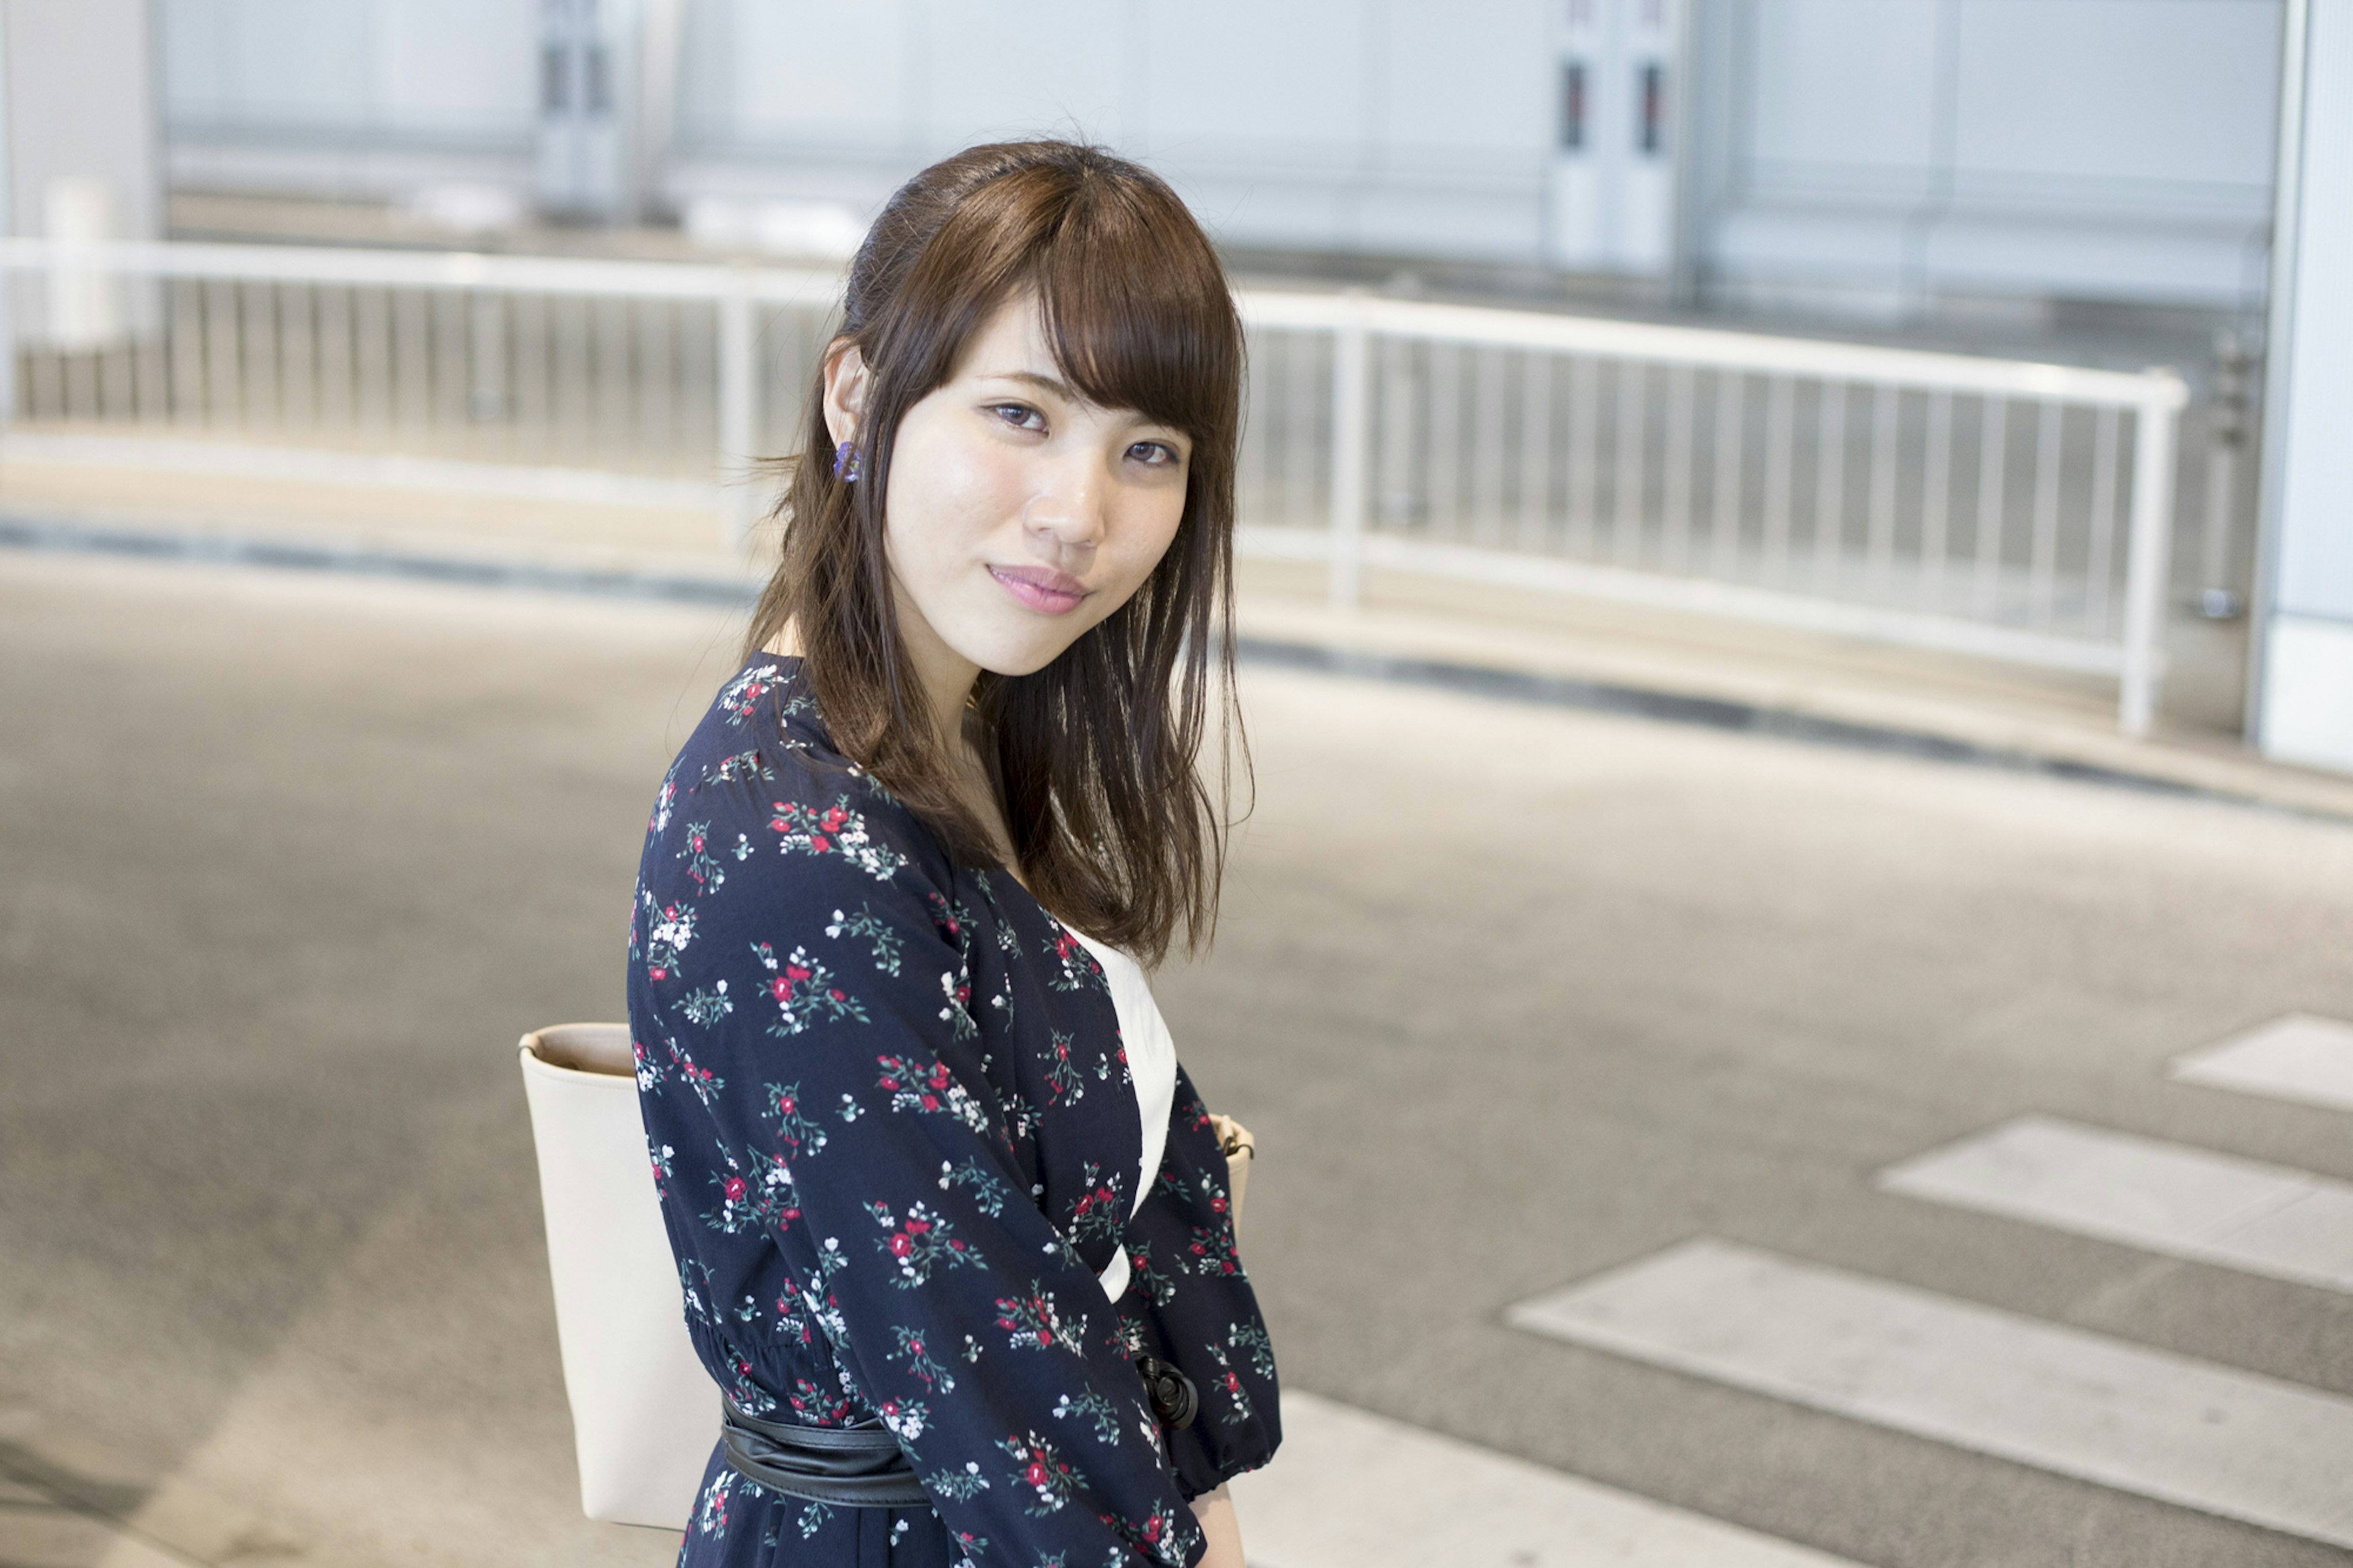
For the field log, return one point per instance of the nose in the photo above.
(1063, 522)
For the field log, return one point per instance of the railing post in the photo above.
(2148, 566)
(1352, 417)
(738, 413)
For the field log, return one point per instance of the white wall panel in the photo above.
(389, 67)
(1890, 151)
(990, 76)
(818, 74)
(1277, 85)
(1470, 81)
(298, 62)
(193, 39)
(2101, 148)
(1842, 92)
(2111, 91)
(454, 65)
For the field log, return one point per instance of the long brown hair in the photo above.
(1115, 830)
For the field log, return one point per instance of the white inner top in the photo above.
(1151, 1067)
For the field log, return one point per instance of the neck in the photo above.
(943, 676)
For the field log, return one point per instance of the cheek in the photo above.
(1146, 530)
(947, 494)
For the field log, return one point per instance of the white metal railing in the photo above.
(2010, 510)
(1942, 501)
(570, 378)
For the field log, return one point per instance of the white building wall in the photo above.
(1871, 154)
(348, 97)
(1381, 127)
(1890, 151)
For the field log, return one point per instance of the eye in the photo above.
(1155, 453)
(1020, 415)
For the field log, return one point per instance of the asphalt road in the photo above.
(1509, 997)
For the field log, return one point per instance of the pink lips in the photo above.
(1041, 588)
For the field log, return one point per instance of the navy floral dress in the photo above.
(891, 1119)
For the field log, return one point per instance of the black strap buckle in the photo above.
(1174, 1400)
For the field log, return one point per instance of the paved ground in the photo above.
(1510, 996)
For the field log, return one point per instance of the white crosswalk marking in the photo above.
(2082, 1405)
(1351, 1490)
(2298, 1058)
(2187, 1203)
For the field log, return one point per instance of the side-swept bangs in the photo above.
(1116, 830)
(1134, 320)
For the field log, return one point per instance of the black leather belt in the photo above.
(862, 1467)
(858, 1467)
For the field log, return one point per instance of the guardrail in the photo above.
(1858, 490)
(2010, 511)
(578, 379)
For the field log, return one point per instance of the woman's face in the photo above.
(1019, 514)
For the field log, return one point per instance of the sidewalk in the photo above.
(1521, 645)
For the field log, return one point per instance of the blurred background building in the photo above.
(1879, 159)
(2093, 182)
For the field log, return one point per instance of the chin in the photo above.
(1018, 650)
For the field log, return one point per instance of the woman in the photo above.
(953, 1228)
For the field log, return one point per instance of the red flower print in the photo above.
(734, 1187)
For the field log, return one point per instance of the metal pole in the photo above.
(2279, 336)
(1352, 409)
(738, 414)
(2149, 544)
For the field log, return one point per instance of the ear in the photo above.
(847, 380)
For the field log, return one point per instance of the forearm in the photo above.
(1215, 1511)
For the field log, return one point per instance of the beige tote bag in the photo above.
(645, 1415)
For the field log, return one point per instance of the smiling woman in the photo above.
(955, 1233)
(1039, 381)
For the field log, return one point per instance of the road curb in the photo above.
(145, 540)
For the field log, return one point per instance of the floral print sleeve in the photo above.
(1187, 1301)
(890, 1120)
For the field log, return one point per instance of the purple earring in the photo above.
(845, 463)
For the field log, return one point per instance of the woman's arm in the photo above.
(1190, 1304)
(1215, 1510)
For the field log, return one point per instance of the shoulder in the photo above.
(759, 795)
